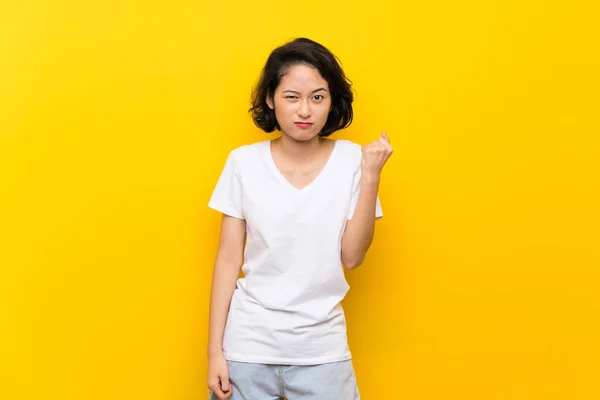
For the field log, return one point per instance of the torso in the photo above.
(287, 307)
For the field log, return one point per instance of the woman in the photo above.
(295, 210)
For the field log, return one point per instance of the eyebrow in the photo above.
(314, 91)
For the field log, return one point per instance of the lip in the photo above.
(303, 125)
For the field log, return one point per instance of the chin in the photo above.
(302, 136)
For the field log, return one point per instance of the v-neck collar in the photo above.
(273, 165)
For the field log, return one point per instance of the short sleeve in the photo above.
(227, 194)
(356, 192)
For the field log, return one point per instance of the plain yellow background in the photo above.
(115, 121)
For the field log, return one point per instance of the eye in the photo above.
(318, 97)
(290, 97)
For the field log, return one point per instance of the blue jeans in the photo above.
(331, 381)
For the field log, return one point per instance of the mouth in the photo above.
(303, 125)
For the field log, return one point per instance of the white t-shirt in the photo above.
(286, 309)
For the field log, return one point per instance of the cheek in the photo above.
(327, 107)
(285, 113)
(283, 109)
(323, 111)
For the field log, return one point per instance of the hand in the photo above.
(218, 377)
(375, 154)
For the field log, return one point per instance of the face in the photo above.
(301, 102)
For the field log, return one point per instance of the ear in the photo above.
(269, 101)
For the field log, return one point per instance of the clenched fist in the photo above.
(375, 154)
(218, 377)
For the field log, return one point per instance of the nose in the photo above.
(304, 110)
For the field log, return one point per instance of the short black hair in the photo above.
(303, 51)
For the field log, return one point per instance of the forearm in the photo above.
(223, 285)
(358, 235)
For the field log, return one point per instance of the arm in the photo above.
(358, 235)
(359, 231)
(226, 271)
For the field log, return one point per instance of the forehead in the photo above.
(302, 77)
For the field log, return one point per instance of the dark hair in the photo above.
(303, 51)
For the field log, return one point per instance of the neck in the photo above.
(299, 150)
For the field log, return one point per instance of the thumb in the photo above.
(385, 136)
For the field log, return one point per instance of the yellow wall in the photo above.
(116, 118)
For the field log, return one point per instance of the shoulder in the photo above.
(248, 152)
(351, 151)
(349, 147)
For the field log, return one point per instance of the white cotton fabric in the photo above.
(286, 309)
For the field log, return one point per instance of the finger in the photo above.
(225, 385)
(368, 147)
(375, 148)
(385, 143)
(385, 136)
(217, 391)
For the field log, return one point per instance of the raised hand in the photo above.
(375, 154)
